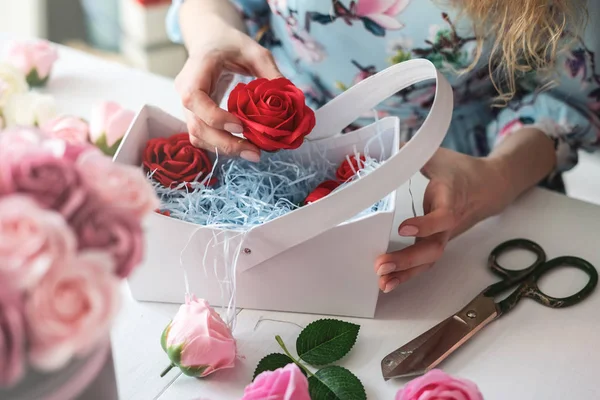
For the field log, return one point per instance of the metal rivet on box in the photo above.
(247, 251)
(471, 314)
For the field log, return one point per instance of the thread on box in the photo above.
(250, 194)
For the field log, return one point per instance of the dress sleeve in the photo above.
(255, 14)
(571, 126)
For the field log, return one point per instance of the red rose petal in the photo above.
(274, 113)
(324, 189)
(175, 160)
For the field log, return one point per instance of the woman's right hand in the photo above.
(216, 53)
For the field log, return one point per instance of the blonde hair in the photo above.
(525, 36)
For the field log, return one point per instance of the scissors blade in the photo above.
(426, 351)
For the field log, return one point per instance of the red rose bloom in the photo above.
(175, 160)
(321, 191)
(274, 113)
(346, 170)
(166, 212)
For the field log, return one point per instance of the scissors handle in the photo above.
(527, 278)
(511, 277)
(529, 288)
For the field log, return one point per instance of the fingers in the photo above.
(392, 281)
(262, 64)
(195, 83)
(206, 137)
(439, 220)
(424, 251)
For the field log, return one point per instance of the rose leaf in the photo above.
(272, 362)
(326, 341)
(335, 383)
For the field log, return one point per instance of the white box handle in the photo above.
(268, 240)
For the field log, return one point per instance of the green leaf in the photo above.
(272, 362)
(193, 371)
(335, 383)
(163, 337)
(174, 354)
(326, 341)
(103, 146)
(34, 80)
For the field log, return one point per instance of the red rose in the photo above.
(274, 113)
(175, 160)
(166, 212)
(321, 191)
(346, 170)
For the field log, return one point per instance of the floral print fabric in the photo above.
(326, 46)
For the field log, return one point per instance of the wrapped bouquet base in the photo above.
(316, 258)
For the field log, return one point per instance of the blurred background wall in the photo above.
(129, 31)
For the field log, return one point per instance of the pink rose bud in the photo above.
(71, 310)
(34, 59)
(71, 129)
(101, 226)
(119, 185)
(198, 341)
(54, 182)
(287, 383)
(12, 338)
(32, 241)
(108, 124)
(438, 385)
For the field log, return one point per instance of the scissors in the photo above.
(428, 350)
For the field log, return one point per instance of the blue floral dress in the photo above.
(326, 46)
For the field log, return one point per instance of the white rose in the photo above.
(29, 109)
(12, 81)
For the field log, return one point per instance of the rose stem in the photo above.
(166, 371)
(280, 341)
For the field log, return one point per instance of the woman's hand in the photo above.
(217, 51)
(462, 191)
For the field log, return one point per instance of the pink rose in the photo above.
(287, 383)
(108, 124)
(438, 385)
(34, 59)
(71, 309)
(71, 129)
(198, 341)
(15, 141)
(111, 229)
(119, 185)
(32, 240)
(12, 338)
(54, 182)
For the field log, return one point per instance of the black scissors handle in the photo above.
(527, 278)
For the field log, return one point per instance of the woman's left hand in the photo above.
(462, 191)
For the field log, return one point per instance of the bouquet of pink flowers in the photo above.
(70, 230)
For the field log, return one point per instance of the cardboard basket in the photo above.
(311, 260)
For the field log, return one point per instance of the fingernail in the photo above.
(408, 230)
(233, 128)
(250, 156)
(391, 285)
(386, 268)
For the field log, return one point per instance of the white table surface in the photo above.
(531, 353)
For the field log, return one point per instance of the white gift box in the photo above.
(144, 24)
(316, 259)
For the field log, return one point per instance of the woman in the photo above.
(507, 50)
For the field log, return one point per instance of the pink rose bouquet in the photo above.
(34, 59)
(436, 384)
(67, 238)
